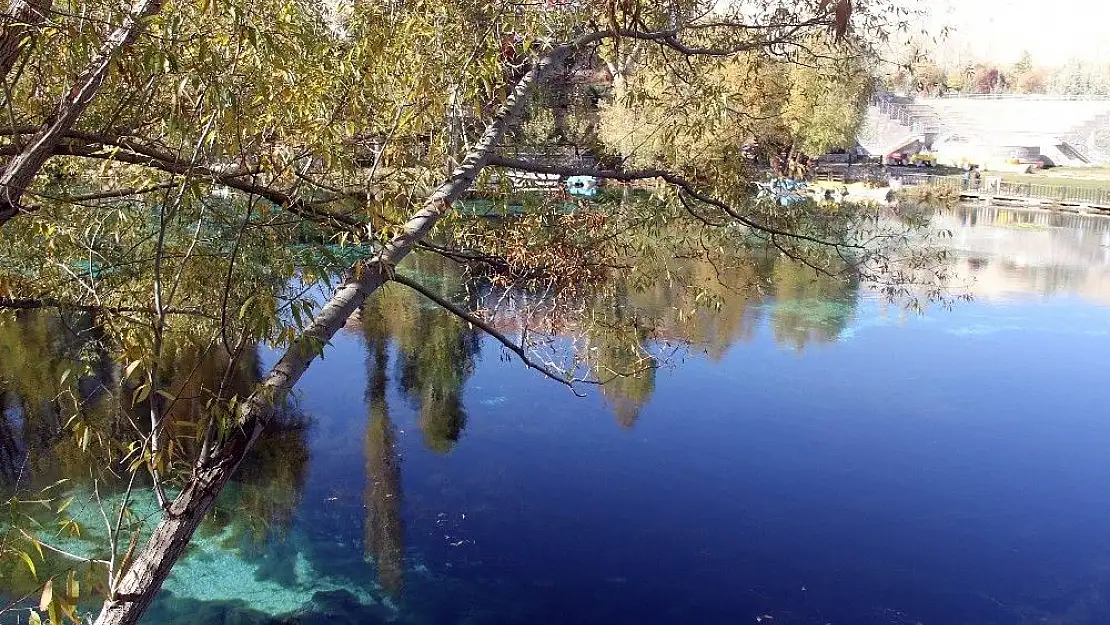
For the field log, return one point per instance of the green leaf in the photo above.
(131, 368)
(141, 394)
(30, 564)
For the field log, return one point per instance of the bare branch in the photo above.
(36, 304)
(88, 145)
(22, 169)
(675, 180)
(105, 195)
(60, 551)
(490, 330)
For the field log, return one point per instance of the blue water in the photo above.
(945, 469)
(950, 469)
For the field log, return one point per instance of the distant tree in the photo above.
(1033, 81)
(988, 79)
(1080, 78)
(957, 81)
(811, 104)
(1024, 64)
(1025, 77)
(898, 80)
(929, 78)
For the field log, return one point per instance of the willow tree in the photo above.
(809, 100)
(161, 157)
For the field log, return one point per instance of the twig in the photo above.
(59, 551)
(488, 329)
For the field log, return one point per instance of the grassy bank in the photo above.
(1079, 177)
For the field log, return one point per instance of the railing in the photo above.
(1024, 190)
(1024, 96)
(1057, 193)
(935, 181)
(902, 114)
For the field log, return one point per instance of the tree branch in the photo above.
(59, 551)
(36, 304)
(22, 169)
(106, 195)
(675, 180)
(22, 17)
(89, 145)
(488, 329)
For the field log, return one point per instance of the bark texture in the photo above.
(19, 21)
(22, 169)
(142, 579)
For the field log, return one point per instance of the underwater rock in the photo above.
(277, 563)
(170, 610)
(337, 607)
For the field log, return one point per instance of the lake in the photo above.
(816, 456)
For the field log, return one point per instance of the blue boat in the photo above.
(785, 191)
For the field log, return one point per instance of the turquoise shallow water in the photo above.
(838, 461)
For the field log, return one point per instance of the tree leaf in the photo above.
(30, 563)
(47, 595)
(140, 395)
(131, 368)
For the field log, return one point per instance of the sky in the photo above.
(1053, 31)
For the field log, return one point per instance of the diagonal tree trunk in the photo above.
(145, 574)
(20, 19)
(22, 169)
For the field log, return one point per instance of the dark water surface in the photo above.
(825, 459)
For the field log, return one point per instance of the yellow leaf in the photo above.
(74, 586)
(131, 368)
(47, 595)
(30, 564)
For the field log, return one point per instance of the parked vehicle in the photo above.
(897, 159)
(923, 159)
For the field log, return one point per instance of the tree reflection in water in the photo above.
(56, 372)
(619, 333)
(614, 334)
(383, 528)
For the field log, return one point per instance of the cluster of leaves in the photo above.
(813, 100)
(557, 244)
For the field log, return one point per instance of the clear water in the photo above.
(880, 468)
